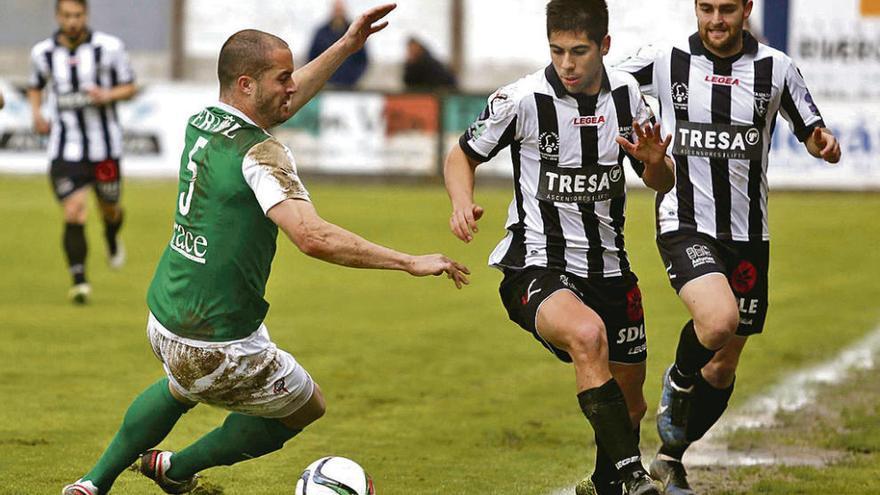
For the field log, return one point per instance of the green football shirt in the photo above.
(211, 279)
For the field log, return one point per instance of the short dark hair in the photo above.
(246, 53)
(84, 3)
(580, 16)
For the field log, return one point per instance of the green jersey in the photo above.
(211, 279)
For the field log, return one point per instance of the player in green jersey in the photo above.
(237, 186)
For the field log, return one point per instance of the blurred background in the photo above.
(395, 111)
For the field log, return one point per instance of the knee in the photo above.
(718, 327)
(588, 340)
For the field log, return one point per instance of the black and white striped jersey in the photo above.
(81, 131)
(722, 112)
(569, 186)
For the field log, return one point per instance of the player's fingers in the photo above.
(667, 141)
(478, 212)
(378, 27)
(462, 227)
(656, 129)
(455, 226)
(379, 12)
(638, 130)
(626, 145)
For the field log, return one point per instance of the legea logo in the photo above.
(588, 121)
(722, 80)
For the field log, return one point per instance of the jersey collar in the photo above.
(234, 111)
(750, 46)
(56, 36)
(559, 89)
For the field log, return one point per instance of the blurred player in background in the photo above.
(238, 185)
(720, 91)
(567, 277)
(86, 72)
(2, 102)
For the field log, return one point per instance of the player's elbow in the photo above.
(311, 238)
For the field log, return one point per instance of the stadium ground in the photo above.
(431, 389)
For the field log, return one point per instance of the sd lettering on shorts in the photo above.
(731, 142)
(586, 184)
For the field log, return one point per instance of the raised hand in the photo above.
(365, 25)
(463, 221)
(648, 148)
(435, 264)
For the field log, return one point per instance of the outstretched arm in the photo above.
(312, 76)
(823, 144)
(320, 239)
(458, 173)
(651, 151)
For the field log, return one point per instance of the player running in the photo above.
(567, 277)
(720, 91)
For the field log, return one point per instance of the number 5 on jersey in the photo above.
(185, 200)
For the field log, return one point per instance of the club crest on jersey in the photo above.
(588, 120)
(548, 145)
(762, 103)
(722, 80)
(680, 94)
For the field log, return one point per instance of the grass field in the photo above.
(433, 390)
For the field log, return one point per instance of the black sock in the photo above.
(708, 404)
(604, 475)
(75, 249)
(111, 228)
(690, 357)
(605, 408)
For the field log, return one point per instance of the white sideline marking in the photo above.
(792, 392)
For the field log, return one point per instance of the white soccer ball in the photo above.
(334, 476)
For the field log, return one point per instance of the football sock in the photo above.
(148, 420)
(240, 438)
(690, 357)
(111, 229)
(708, 405)
(605, 408)
(75, 249)
(604, 475)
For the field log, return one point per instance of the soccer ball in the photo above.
(334, 476)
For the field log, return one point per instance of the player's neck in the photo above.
(71, 43)
(244, 107)
(733, 50)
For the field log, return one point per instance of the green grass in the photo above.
(433, 390)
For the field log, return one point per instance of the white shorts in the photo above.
(250, 376)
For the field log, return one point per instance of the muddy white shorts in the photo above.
(250, 376)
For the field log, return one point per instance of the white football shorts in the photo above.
(250, 376)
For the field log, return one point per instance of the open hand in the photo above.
(648, 148)
(365, 25)
(435, 264)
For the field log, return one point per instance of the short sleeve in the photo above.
(493, 130)
(641, 66)
(270, 171)
(39, 68)
(120, 67)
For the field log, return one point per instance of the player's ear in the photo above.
(246, 84)
(606, 44)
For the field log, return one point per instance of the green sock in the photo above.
(148, 420)
(240, 438)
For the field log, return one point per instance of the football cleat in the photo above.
(672, 475)
(80, 293)
(155, 463)
(80, 487)
(117, 260)
(641, 484)
(672, 415)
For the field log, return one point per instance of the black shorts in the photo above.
(617, 300)
(68, 177)
(690, 255)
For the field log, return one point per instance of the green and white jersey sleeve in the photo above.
(211, 279)
(270, 171)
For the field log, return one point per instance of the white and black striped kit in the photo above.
(569, 185)
(722, 113)
(81, 131)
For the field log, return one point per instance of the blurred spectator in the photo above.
(424, 72)
(1, 99)
(351, 70)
